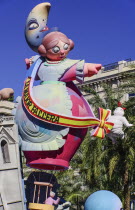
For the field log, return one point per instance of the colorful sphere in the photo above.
(103, 200)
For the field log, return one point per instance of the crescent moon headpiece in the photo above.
(36, 28)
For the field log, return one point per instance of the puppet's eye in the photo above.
(33, 25)
(66, 46)
(56, 49)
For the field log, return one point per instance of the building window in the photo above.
(5, 151)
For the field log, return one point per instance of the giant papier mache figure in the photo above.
(53, 116)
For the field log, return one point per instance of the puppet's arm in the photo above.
(56, 201)
(126, 123)
(81, 70)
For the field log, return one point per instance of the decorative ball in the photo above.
(103, 200)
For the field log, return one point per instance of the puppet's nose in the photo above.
(62, 51)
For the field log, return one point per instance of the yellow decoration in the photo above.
(39, 206)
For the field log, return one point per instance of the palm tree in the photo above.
(72, 182)
(110, 166)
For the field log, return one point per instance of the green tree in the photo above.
(111, 166)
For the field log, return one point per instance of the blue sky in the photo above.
(103, 32)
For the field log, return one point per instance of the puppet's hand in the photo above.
(130, 125)
(91, 68)
(29, 62)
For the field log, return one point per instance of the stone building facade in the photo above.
(11, 190)
(112, 74)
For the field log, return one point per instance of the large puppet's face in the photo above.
(58, 52)
(36, 28)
